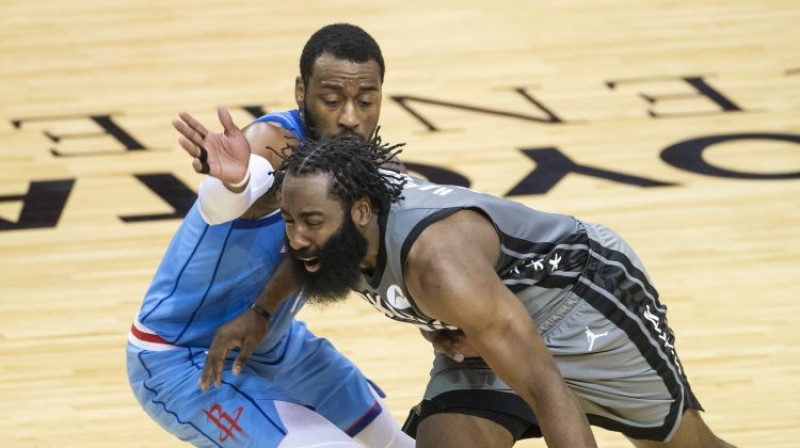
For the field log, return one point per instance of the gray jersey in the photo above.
(588, 292)
(542, 254)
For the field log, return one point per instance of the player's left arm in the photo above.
(450, 275)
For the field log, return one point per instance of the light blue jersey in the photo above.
(208, 276)
(290, 120)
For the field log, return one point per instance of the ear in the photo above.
(361, 212)
(299, 92)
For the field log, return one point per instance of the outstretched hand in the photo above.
(246, 331)
(222, 155)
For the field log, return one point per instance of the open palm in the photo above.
(227, 154)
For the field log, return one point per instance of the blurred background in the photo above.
(677, 123)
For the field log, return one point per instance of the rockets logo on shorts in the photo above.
(228, 425)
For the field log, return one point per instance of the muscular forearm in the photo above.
(562, 421)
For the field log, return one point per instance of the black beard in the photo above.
(339, 259)
(308, 123)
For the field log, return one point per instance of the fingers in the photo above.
(193, 134)
(199, 155)
(227, 121)
(449, 345)
(188, 132)
(195, 125)
(247, 348)
(215, 362)
(192, 142)
(203, 159)
(221, 364)
(190, 148)
(209, 374)
(196, 165)
(456, 356)
(455, 353)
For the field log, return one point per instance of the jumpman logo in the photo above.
(593, 337)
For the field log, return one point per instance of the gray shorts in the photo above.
(610, 338)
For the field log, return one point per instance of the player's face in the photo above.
(342, 97)
(325, 245)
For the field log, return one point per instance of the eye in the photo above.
(365, 103)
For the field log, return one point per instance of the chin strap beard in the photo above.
(308, 122)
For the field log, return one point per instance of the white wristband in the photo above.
(217, 204)
(244, 180)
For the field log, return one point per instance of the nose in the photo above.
(297, 240)
(348, 118)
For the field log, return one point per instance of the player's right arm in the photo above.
(239, 163)
(450, 274)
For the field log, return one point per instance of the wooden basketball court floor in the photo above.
(677, 123)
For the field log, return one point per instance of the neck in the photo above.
(263, 206)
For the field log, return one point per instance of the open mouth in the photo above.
(311, 264)
(351, 137)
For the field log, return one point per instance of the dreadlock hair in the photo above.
(343, 41)
(354, 168)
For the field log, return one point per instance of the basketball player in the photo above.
(297, 390)
(538, 295)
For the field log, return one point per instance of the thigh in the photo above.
(463, 431)
(241, 412)
(313, 372)
(692, 433)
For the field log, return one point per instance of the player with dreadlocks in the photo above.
(327, 272)
(538, 295)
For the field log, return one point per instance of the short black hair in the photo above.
(353, 165)
(343, 41)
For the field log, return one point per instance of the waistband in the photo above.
(146, 339)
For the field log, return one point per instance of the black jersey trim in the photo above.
(524, 247)
(552, 282)
(631, 270)
(651, 355)
(419, 228)
(411, 238)
(598, 294)
(629, 286)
